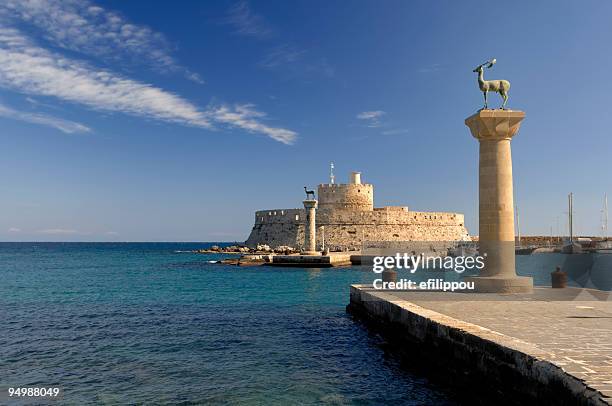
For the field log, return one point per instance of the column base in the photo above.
(310, 253)
(492, 284)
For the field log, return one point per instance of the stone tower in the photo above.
(355, 196)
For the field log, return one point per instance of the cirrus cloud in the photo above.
(34, 70)
(246, 22)
(30, 69)
(66, 126)
(370, 115)
(371, 118)
(375, 119)
(60, 231)
(245, 116)
(81, 26)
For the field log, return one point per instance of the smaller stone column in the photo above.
(310, 229)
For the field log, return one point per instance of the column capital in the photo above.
(310, 204)
(495, 124)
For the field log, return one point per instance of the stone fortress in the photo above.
(346, 218)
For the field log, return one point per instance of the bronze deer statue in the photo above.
(498, 86)
(309, 193)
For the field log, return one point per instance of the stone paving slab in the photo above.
(565, 327)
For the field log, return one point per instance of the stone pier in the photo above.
(551, 346)
(310, 231)
(494, 129)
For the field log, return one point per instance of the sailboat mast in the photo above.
(570, 202)
(518, 226)
(604, 226)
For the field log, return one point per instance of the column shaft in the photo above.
(496, 208)
(494, 129)
(310, 229)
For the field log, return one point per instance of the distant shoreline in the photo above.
(526, 239)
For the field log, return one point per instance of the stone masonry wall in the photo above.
(347, 229)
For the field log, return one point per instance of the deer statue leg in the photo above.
(505, 96)
(485, 97)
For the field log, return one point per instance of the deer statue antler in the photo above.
(487, 64)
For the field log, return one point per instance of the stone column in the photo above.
(494, 129)
(310, 230)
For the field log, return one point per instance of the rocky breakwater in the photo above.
(260, 255)
(243, 249)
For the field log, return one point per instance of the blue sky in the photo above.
(166, 121)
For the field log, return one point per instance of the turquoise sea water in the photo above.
(142, 323)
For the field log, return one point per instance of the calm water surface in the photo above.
(145, 323)
(141, 323)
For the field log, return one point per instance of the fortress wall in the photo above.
(356, 197)
(391, 216)
(280, 216)
(278, 227)
(348, 229)
(351, 229)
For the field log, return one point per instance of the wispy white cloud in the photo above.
(74, 232)
(59, 231)
(245, 116)
(69, 127)
(81, 26)
(14, 230)
(247, 22)
(375, 119)
(371, 115)
(371, 118)
(281, 55)
(34, 70)
(296, 61)
(29, 68)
